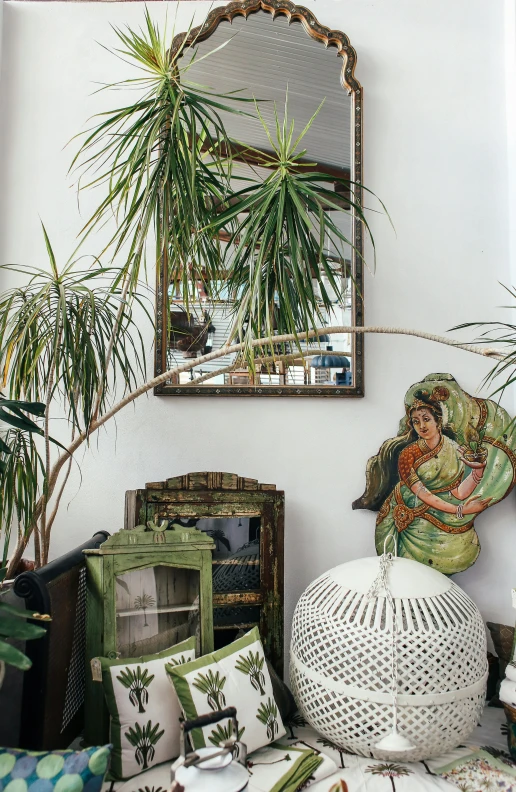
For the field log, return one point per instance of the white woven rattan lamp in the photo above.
(412, 687)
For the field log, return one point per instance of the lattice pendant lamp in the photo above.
(389, 659)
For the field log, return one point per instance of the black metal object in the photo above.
(53, 689)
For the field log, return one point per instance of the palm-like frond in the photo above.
(223, 733)
(137, 681)
(211, 684)
(267, 714)
(57, 329)
(162, 160)
(144, 739)
(252, 666)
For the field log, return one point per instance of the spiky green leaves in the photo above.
(280, 271)
(58, 329)
(162, 162)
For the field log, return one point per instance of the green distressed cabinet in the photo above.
(245, 518)
(147, 590)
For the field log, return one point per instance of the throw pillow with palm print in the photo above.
(137, 682)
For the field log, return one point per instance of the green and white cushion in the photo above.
(144, 709)
(235, 676)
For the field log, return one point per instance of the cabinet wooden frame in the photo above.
(128, 551)
(215, 494)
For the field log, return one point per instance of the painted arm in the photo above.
(473, 506)
(467, 486)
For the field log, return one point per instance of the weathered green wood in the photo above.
(218, 495)
(94, 708)
(129, 551)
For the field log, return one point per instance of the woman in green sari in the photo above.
(435, 487)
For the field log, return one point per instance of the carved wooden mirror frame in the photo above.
(330, 38)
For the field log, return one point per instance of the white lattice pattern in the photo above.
(341, 661)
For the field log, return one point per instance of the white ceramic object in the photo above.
(220, 774)
(341, 659)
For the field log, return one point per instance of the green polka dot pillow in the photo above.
(235, 676)
(144, 710)
(55, 771)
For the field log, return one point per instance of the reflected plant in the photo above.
(211, 685)
(252, 666)
(137, 682)
(144, 739)
(219, 536)
(267, 714)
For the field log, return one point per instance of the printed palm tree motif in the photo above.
(151, 789)
(223, 733)
(144, 739)
(295, 721)
(390, 771)
(142, 603)
(463, 786)
(211, 685)
(137, 682)
(267, 714)
(252, 666)
(177, 661)
(334, 747)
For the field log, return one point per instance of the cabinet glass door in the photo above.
(236, 569)
(156, 608)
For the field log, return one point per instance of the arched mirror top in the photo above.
(327, 36)
(265, 49)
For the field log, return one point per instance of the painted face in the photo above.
(425, 424)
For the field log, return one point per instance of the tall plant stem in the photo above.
(44, 534)
(483, 351)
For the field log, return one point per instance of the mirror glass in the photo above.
(266, 58)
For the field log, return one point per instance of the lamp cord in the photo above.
(381, 582)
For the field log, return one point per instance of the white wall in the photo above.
(435, 151)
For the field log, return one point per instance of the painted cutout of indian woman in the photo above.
(453, 457)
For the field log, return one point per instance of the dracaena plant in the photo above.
(278, 259)
(162, 161)
(67, 341)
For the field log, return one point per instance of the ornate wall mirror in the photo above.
(270, 46)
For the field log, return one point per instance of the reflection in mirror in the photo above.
(274, 59)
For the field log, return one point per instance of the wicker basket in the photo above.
(341, 658)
